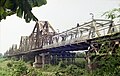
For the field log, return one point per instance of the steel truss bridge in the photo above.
(45, 40)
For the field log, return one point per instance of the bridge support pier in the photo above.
(41, 60)
(38, 62)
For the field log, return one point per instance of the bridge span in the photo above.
(48, 46)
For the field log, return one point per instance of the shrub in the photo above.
(19, 68)
(72, 70)
(46, 66)
(61, 65)
(9, 64)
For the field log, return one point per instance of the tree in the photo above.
(23, 8)
(112, 14)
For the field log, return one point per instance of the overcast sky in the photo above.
(61, 14)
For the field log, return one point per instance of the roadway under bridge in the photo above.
(47, 46)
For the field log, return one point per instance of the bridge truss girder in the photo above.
(44, 36)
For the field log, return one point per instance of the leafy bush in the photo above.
(72, 70)
(46, 66)
(61, 65)
(109, 64)
(34, 72)
(19, 68)
(9, 64)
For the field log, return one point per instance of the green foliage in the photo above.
(20, 7)
(112, 14)
(61, 65)
(30, 63)
(46, 66)
(34, 72)
(14, 59)
(18, 68)
(9, 64)
(80, 55)
(80, 64)
(109, 64)
(72, 70)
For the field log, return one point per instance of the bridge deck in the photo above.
(72, 45)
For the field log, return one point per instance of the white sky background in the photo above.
(61, 14)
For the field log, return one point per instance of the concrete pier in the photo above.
(41, 60)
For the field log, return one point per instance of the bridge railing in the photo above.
(87, 30)
(80, 33)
